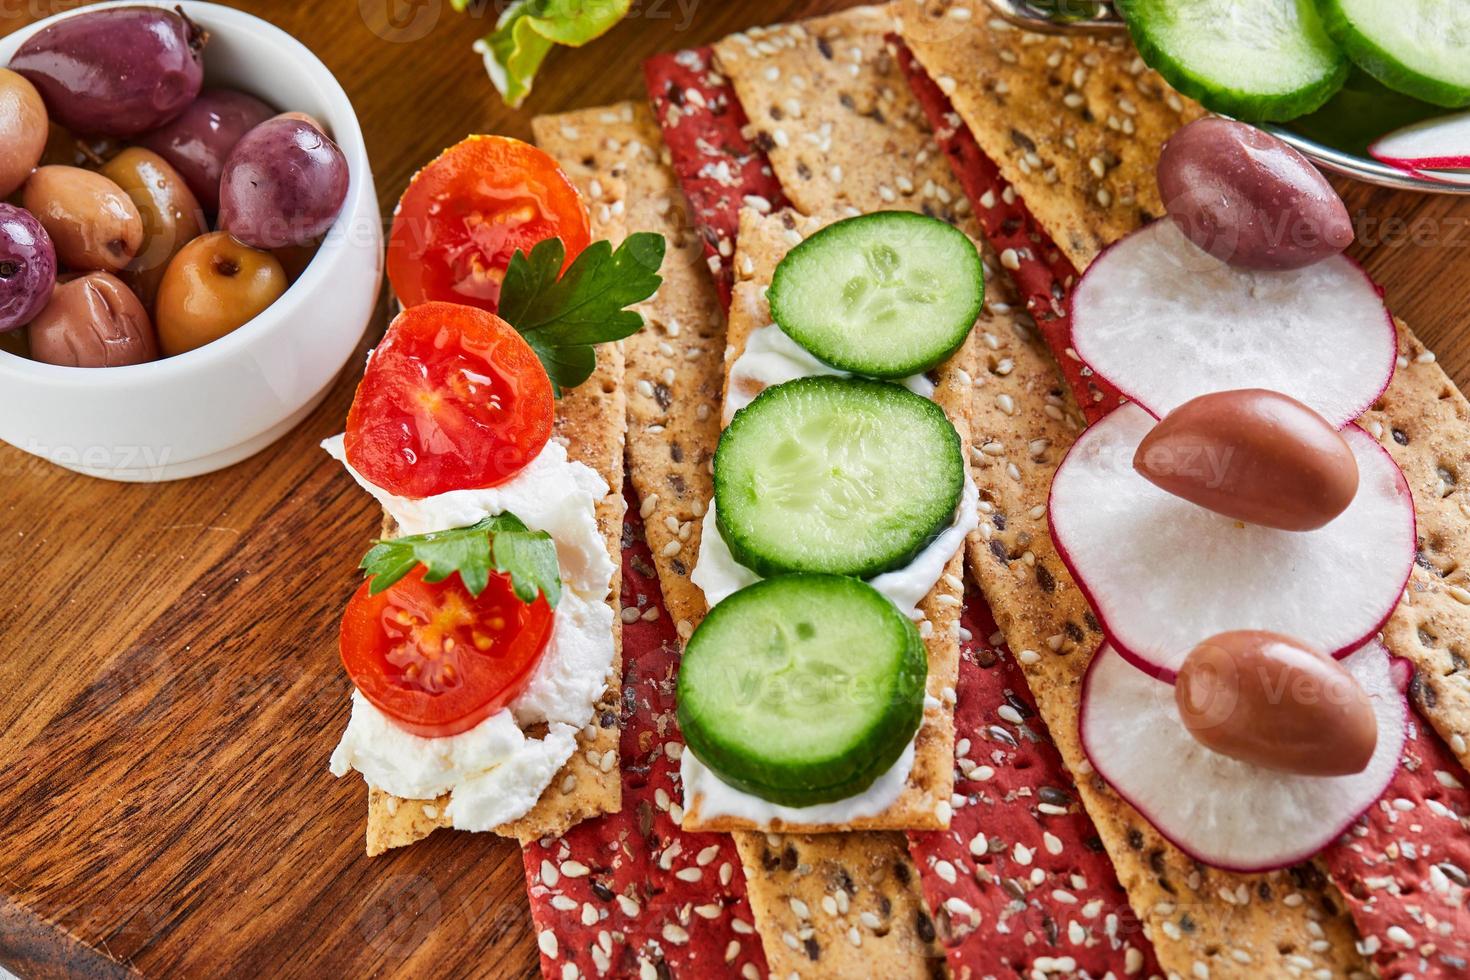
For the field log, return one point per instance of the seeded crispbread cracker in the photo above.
(1432, 628)
(673, 380)
(1412, 783)
(839, 905)
(827, 101)
(924, 804)
(1074, 123)
(589, 420)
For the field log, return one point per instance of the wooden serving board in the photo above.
(169, 683)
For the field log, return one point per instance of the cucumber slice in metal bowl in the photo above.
(1165, 322)
(1418, 47)
(1219, 810)
(1162, 573)
(1255, 60)
(802, 689)
(840, 475)
(884, 295)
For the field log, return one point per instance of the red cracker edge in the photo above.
(1020, 882)
(992, 911)
(1042, 273)
(1404, 868)
(720, 169)
(629, 894)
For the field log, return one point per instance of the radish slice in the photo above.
(1165, 321)
(1163, 574)
(1219, 810)
(1442, 143)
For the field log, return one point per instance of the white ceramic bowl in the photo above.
(214, 406)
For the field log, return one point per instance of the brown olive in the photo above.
(171, 216)
(93, 223)
(64, 149)
(93, 321)
(213, 286)
(23, 130)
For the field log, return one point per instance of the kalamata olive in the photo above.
(1255, 455)
(93, 321)
(1275, 702)
(94, 225)
(283, 184)
(119, 72)
(199, 141)
(1248, 199)
(66, 150)
(23, 130)
(27, 267)
(171, 216)
(213, 286)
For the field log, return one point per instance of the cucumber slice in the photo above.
(1252, 59)
(1417, 47)
(802, 689)
(840, 475)
(885, 295)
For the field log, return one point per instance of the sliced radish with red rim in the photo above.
(1164, 321)
(1442, 143)
(1162, 574)
(1216, 809)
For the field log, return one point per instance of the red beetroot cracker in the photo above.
(629, 894)
(1041, 272)
(720, 169)
(1404, 868)
(1020, 882)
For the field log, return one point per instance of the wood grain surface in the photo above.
(169, 684)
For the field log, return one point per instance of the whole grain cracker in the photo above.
(828, 102)
(839, 905)
(674, 376)
(1230, 924)
(1430, 400)
(590, 422)
(925, 801)
(837, 97)
(1074, 123)
(1088, 207)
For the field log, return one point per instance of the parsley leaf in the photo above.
(502, 543)
(562, 317)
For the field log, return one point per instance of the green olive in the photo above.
(171, 215)
(213, 286)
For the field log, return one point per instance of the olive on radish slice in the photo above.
(1441, 143)
(1222, 811)
(1161, 572)
(1280, 464)
(1165, 321)
(1277, 703)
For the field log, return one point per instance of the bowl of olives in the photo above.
(190, 242)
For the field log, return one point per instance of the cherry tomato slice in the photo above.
(437, 660)
(453, 399)
(464, 216)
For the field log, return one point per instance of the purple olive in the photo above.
(27, 267)
(115, 72)
(199, 141)
(1248, 199)
(283, 184)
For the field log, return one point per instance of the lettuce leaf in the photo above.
(527, 31)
